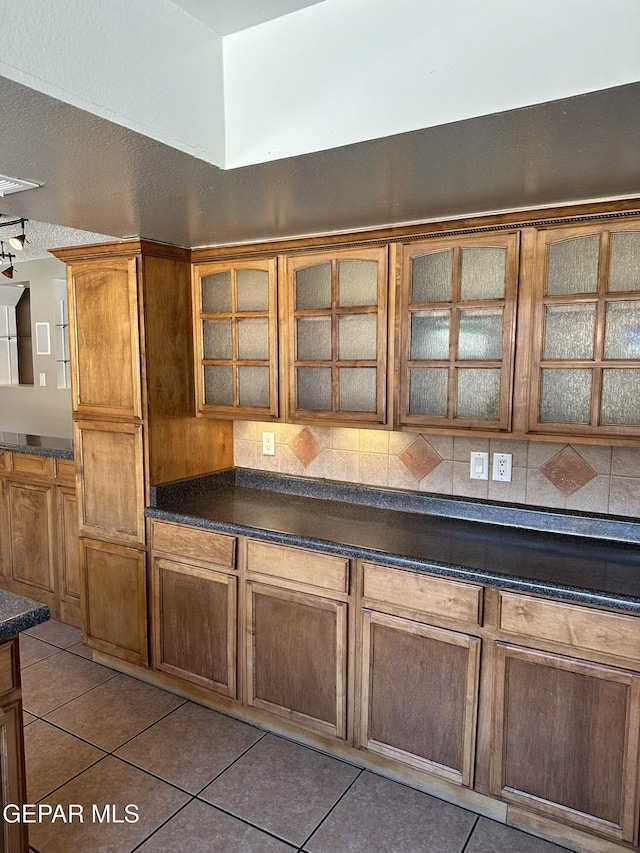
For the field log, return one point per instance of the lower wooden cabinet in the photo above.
(13, 836)
(39, 553)
(5, 550)
(297, 657)
(68, 556)
(419, 695)
(448, 679)
(195, 624)
(32, 526)
(566, 740)
(114, 600)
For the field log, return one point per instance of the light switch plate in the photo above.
(479, 465)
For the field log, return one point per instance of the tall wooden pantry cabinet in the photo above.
(134, 421)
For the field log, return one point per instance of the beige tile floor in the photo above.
(204, 782)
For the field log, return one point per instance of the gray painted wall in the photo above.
(33, 409)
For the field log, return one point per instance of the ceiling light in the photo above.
(7, 256)
(19, 240)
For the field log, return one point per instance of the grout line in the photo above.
(75, 776)
(340, 798)
(68, 701)
(235, 760)
(150, 726)
(471, 831)
(164, 823)
(246, 822)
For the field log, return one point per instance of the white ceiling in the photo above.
(331, 135)
(229, 16)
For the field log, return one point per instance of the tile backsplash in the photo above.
(592, 478)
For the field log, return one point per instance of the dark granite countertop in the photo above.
(18, 613)
(594, 560)
(37, 445)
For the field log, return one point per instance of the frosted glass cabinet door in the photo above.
(586, 331)
(337, 309)
(457, 324)
(235, 336)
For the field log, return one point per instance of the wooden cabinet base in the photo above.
(583, 774)
(13, 836)
(114, 578)
(490, 807)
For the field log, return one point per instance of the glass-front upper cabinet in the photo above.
(236, 339)
(337, 348)
(585, 376)
(457, 322)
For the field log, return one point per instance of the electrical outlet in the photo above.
(479, 465)
(502, 467)
(268, 444)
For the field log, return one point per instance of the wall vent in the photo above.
(15, 185)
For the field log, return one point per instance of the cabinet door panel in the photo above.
(585, 354)
(32, 527)
(115, 600)
(457, 331)
(112, 494)
(236, 339)
(103, 322)
(419, 695)
(13, 836)
(5, 548)
(297, 666)
(68, 556)
(195, 624)
(337, 319)
(566, 739)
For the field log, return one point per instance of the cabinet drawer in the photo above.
(295, 564)
(35, 466)
(194, 543)
(423, 593)
(582, 628)
(5, 460)
(66, 471)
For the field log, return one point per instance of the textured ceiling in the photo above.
(103, 178)
(230, 16)
(43, 235)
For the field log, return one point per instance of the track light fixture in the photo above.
(19, 240)
(7, 256)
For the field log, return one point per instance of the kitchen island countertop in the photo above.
(18, 613)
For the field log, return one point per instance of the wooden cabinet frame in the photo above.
(294, 263)
(534, 292)
(208, 574)
(236, 410)
(462, 775)
(626, 827)
(108, 358)
(38, 556)
(112, 498)
(339, 611)
(114, 600)
(406, 309)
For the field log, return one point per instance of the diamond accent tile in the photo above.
(420, 458)
(305, 447)
(568, 471)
